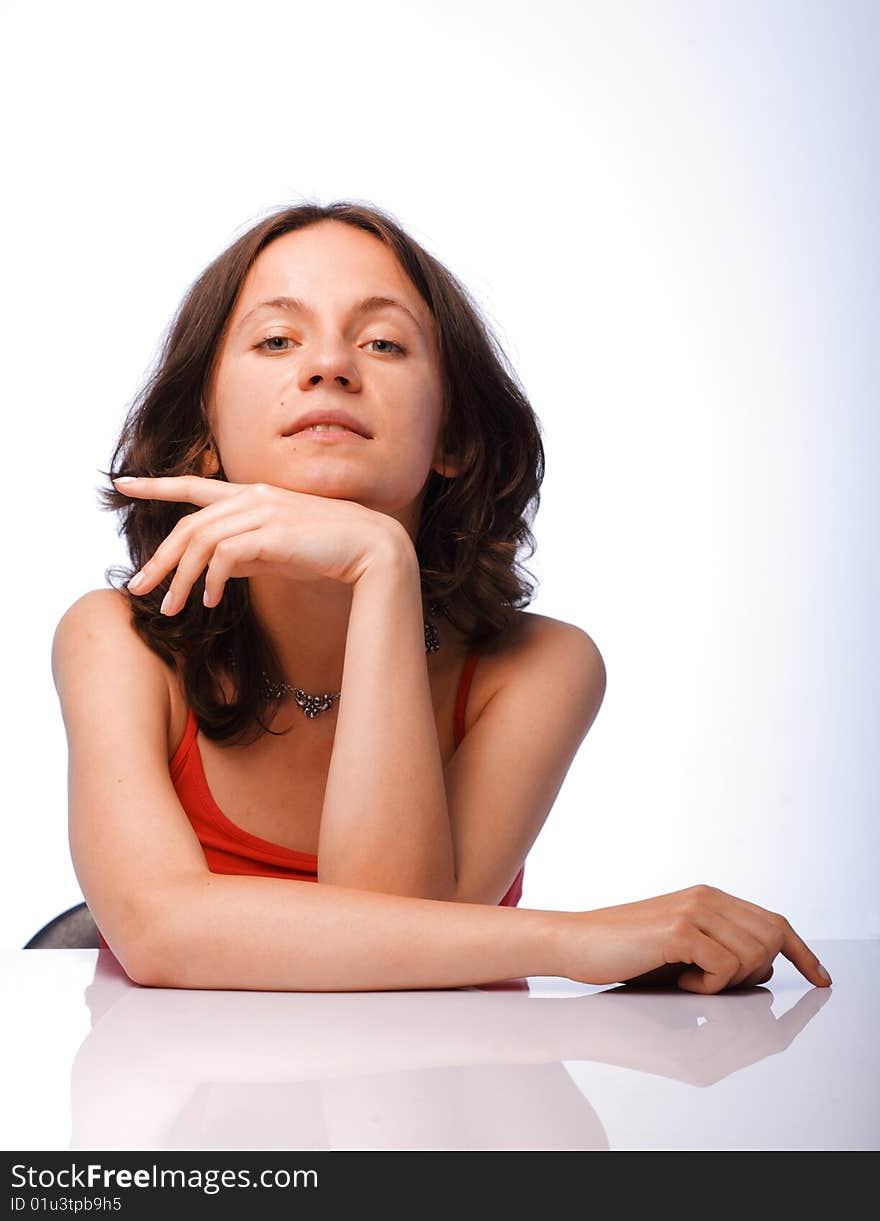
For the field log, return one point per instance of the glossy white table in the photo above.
(94, 1062)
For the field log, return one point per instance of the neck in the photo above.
(307, 624)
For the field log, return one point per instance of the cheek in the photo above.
(241, 402)
(412, 444)
(241, 380)
(424, 412)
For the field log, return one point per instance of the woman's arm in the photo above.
(275, 934)
(384, 822)
(271, 934)
(172, 922)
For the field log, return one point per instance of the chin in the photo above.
(325, 484)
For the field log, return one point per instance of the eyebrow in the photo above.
(369, 305)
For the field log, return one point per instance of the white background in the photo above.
(668, 213)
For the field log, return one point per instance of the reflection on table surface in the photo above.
(96, 1062)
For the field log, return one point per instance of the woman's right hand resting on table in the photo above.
(701, 939)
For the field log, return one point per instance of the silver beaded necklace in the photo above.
(313, 705)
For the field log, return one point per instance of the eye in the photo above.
(282, 339)
(270, 339)
(401, 349)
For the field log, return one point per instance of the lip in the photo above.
(330, 415)
(327, 437)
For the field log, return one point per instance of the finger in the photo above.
(197, 554)
(230, 556)
(757, 977)
(796, 950)
(191, 489)
(755, 940)
(714, 966)
(750, 954)
(168, 554)
(792, 947)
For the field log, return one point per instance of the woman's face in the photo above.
(381, 365)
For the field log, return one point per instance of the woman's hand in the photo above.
(701, 939)
(250, 528)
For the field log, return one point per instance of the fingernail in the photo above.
(125, 479)
(136, 581)
(166, 602)
(824, 974)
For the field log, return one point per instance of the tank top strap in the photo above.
(189, 736)
(464, 687)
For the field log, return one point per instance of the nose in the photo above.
(328, 363)
(315, 379)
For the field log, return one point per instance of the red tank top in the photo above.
(228, 848)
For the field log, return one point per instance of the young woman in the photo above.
(323, 671)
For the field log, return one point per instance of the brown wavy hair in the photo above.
(471, 527)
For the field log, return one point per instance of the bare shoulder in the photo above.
(539, 649)
(94, 610)
(98, 602)
(543, 638)
(100, 623)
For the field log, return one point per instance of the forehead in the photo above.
(329, 264)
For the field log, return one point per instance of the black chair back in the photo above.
(74, 929)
